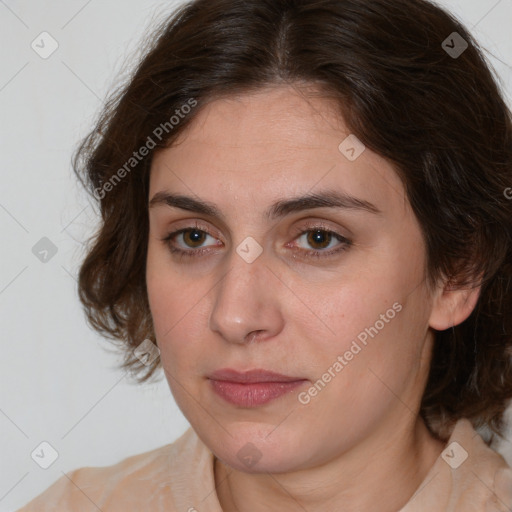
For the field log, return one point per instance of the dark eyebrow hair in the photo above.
(325, 199)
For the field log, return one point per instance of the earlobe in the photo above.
(452, 306)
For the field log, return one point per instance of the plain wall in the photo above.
(58, 382)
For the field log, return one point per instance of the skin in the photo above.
(293, 315)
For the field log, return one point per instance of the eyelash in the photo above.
(313, 254)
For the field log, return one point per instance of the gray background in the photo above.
(58, 382)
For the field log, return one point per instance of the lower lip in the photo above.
(254, 394)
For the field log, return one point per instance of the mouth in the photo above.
(251, 376)
(252, 388)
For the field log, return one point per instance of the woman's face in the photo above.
(347, 312)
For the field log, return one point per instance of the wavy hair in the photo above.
(406, 86)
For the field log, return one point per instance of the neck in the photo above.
(356, 481)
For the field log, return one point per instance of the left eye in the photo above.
(320, 237)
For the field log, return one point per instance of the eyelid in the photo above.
(195, 224)
(319, 225)
(297, 230)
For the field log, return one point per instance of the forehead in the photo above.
(268, 119)
(271, 142)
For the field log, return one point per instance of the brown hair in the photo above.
(403, 88)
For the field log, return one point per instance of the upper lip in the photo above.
(256, 375)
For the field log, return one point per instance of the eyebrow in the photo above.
(281, 208)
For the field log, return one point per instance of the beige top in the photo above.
(178, 477)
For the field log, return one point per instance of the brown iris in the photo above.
(196, 237)
(315, 237)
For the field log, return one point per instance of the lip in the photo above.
(252, 388)
(251, 376)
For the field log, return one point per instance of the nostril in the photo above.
(252, 336)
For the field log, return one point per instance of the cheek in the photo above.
(368, 369)
(166, 293)
(177, 311)
(376, 325)
(371, 281)
(165, 299)
(352, 308)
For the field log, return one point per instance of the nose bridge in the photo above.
(242, 302)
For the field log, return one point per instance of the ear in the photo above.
(451, 306)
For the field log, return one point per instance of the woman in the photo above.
(305, 223)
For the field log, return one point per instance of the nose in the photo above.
(246, 304)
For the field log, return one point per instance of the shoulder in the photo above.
(129, 484)
(481, 477)
(468, 476)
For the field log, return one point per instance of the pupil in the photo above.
(315, 237)
(196, 236)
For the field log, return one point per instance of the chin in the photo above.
(256, 447)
